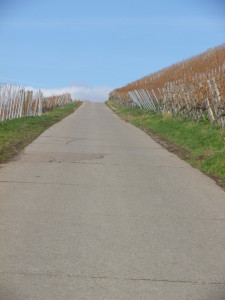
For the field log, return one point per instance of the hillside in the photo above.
(194, 88)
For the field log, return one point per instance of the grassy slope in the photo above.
(205, 144)
(17, 133)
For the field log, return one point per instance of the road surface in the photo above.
(95, 209)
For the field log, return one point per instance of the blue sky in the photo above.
(91, 47)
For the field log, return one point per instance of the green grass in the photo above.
(17, 133)
(204, 143)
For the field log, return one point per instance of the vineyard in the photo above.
(16, 102)
(194, 88)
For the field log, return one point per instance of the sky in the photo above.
(90, 47)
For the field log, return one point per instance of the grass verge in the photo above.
(202, 145)
(18, 133)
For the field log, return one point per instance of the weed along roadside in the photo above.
(200, 144)
(16, 134)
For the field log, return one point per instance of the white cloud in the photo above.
(96, 94)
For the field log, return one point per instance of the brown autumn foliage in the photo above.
(196, 83)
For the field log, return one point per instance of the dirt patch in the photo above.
(179, 151)
(170, 146)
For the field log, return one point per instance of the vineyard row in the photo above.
(16, 102)
(193, 89)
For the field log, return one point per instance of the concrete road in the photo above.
(95, 209)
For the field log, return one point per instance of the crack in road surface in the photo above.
(113, 278)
